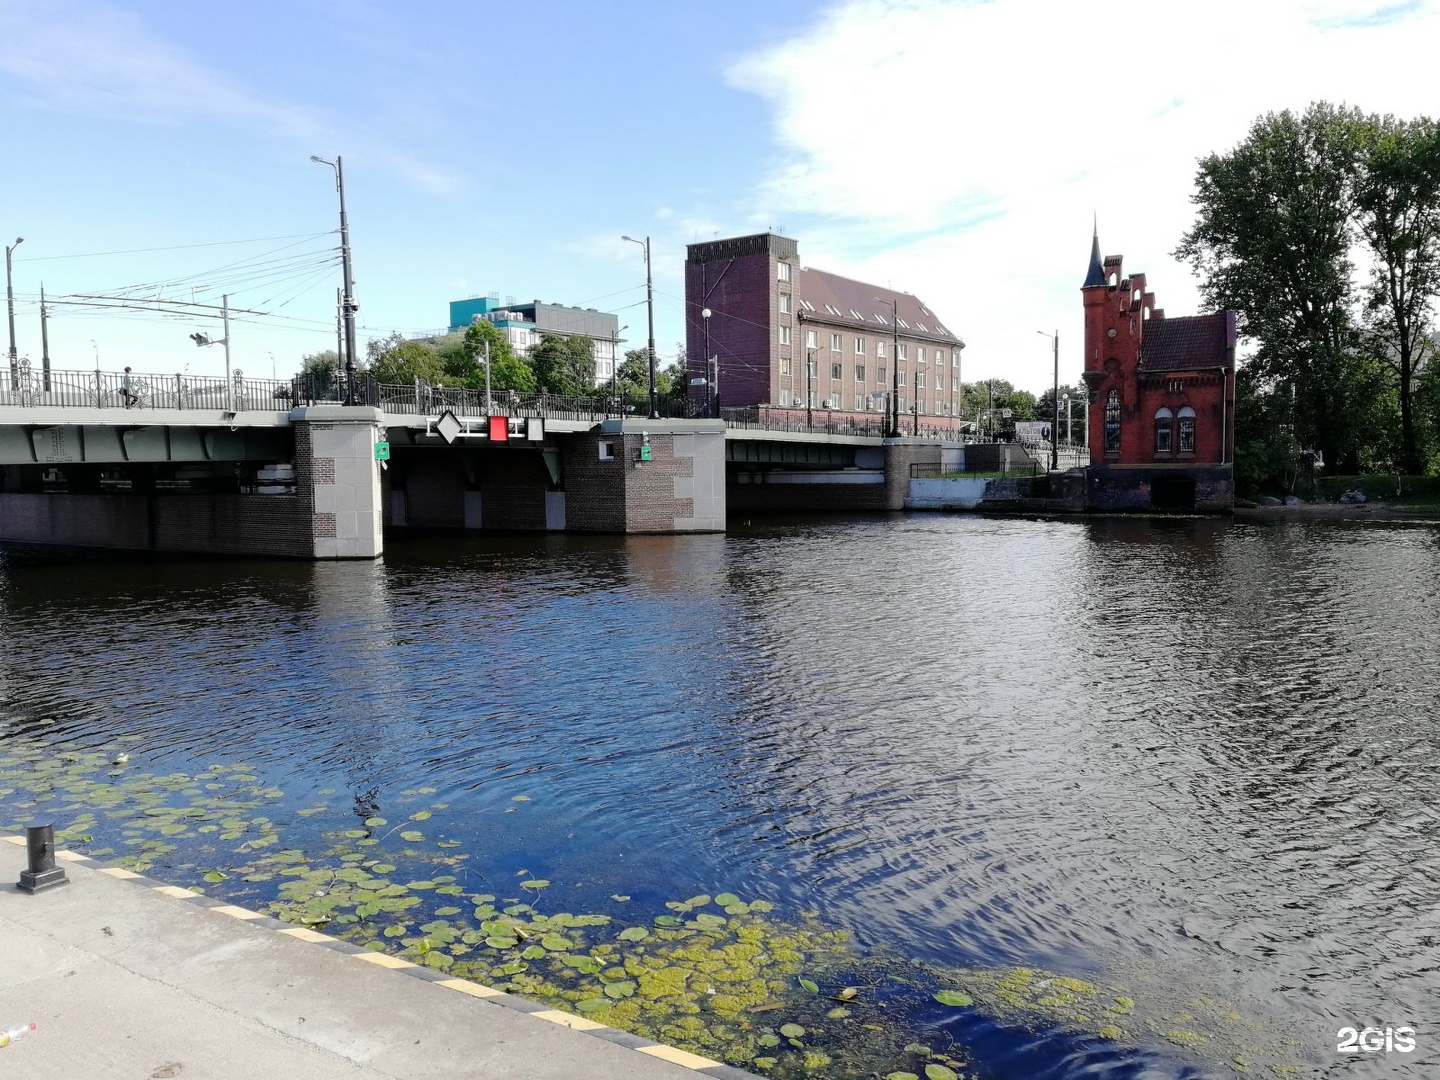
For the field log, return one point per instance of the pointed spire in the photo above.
(1096, 276)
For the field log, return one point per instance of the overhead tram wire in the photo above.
(174, 247)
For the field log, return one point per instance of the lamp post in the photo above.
(1055, 403)
(709, 379)
(347, 302)
(892, 410)
(1068, 440)
(10, 307)
(650, 311)
(809, 394)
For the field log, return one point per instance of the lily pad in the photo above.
(623, 989)
(792, 1031)
(634, 933)
(411, 836)
(593, 1004)
(939, 1072)
(954, 997)
(806, 984)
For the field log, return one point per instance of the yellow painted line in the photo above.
(385, 960)
(473, 989)
(678, 1057)
(115, 871)
(70, 856)
(17, 840)
(237, 912)
(564, 1019)
(176, 891)
(304, 933)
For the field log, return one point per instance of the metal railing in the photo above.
(140, 390)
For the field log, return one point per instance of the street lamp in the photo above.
(809, 394)
(705, 315)
(10, 306)
(1055, 403)
(650, 309)
(1069, 442)
(348, 306)
(893, 410)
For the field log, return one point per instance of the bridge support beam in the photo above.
(335, 468)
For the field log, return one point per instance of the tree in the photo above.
(398, 359)
(986, 401)
(321, 372)
(1078, 411)
(564, 365)
(1397, 198)
(632, 377)
(1272, 240)
(507, 370)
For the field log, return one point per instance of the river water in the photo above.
(1193, 760)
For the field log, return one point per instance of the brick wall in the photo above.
(1120, 488)
(594, 489)
(513, 483)
(650, 502)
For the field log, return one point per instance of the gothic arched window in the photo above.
(1164, 431)
(1112, 422)
(1186, 418)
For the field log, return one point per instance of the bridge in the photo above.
(178, 463)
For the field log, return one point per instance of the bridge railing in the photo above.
(142, 390)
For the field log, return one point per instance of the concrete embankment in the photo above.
(128, 977)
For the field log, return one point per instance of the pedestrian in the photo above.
(127, 390)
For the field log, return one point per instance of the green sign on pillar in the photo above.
(382, 451)
(645, 453)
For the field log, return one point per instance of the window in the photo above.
(607, 451)
(900, 378)
(902, 324)
(784, 397)
(810, 339)
(784, 365)
(806, 304)
(810, 368)
(784, 335)
(834, 342)
(1112, 422)
(832, 309)
(900, 350)
(939, 409)
(859, 346)
(1164, 430)
(859, 402)
(919, 380)
(1187, 430)
(859, 372)
(879, 348)
(880, 375)
(955, 361)
(921, 325)
(881, 319)
(784, 303)
(782, 271)
(939, 381)
(836, 371)
(919, 354)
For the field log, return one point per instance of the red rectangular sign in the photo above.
(499, 429)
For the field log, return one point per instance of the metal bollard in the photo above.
(40, 849)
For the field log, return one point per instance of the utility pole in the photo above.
(348, 307)
(10, 307)
(44, 342)
(650, 312)
(894, 369)
(1054, 403)
(487, 376)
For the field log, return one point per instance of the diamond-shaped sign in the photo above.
(448, 427)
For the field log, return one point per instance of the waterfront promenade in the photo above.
(126, 977)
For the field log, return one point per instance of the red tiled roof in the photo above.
(1187, 342)
(821, 288)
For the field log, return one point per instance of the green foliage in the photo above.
(564, 365)
(397, 359)
(1278, 219)
(507, 370)
(985, 401)
(632, 377)
(322, 371)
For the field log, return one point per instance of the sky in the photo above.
(960, 150)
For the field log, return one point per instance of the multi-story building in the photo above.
(525, 324)
(1162, 398)
(790, 336)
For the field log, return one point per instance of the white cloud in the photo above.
(957, 148)
(91, 58)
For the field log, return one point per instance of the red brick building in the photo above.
(1162, 398)
(768, 316)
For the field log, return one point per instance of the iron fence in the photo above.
(143, 390)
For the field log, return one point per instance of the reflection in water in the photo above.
(1193, 757)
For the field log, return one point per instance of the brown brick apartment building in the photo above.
(768, 315)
